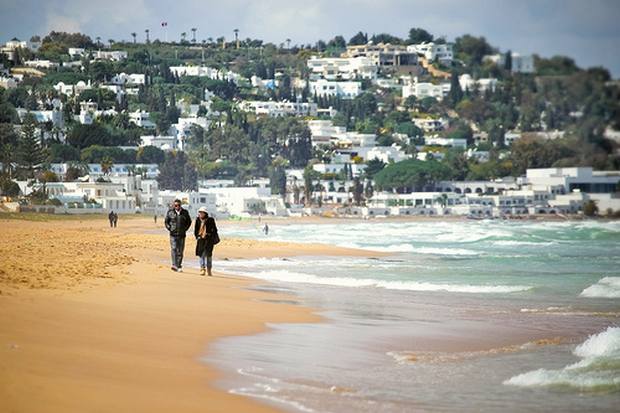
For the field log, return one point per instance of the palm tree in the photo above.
(98, 41)
(288, 44)
(194, 34)
(236, 37)
(106, 165)
(147, 36)
(110, 41)
(183, 37)
(134, 34)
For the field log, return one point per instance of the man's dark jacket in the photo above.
(178, 224)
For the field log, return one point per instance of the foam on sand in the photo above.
(607, 287)
(597, 371)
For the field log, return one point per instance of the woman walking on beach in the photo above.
(205, 231)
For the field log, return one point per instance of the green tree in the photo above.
(373, 166)
(30, 153)
(411, 175)
(359, 39)
(9, 141)
(177, 173)
(417, 36)
(456, 93)
(590, 208)
(150, 154)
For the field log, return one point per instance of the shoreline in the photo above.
(85, 330)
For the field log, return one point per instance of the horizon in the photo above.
(589, 35)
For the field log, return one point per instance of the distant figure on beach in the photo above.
(115, 220)
(155, 218)
(206, 234)
(177, 223)
(111, 218)
(266, 229)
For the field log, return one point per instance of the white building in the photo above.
(468, 83)
(149, 170)
(431, 51)
(520, 63)
(128, 79)
(451, 142)
(204, 71)
(54, 116)
(430, 125)
(323, 131)
(8, 82)
(342, 68)
(422, 90)
(383, 54)
(165, 143)
(566, 180)
(71, 90)
(113, 55)
(278, 109)
(345, 90)
(511, 136)
(142, 119)
(354, 139)
(41, 64)
(76, 52)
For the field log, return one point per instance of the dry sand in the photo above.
(93, 320)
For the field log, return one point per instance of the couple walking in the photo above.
(177, 223)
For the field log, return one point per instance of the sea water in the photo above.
(460, 316)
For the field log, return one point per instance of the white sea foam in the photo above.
(598, 369)
(512, 243)
(607, 287)
(445, 251)
(298, 277)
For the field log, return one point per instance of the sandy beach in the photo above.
(92, 319)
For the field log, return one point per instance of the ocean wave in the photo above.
(445, 251)
(598, 369)
(513, 243)
(607, 287)
(298, 277)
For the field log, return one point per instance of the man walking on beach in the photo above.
(177, 223)
(111, 218)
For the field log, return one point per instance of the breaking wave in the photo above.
(597, 371)
(607, 287)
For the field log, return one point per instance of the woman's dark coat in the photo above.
(203, 244)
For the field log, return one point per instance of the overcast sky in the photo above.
(587, 30)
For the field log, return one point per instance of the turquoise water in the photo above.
(456, 305)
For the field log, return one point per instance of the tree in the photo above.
(358, 191)
(9, 141)
(150, 154)
(456, 93)
(310, 175)
(472, 49)
(106, 165)
(417, 36)
(177, 173)
(359, 39)
(60, 152)
(30, 153)
(411, 174)
(373, 166)
(508, 61)
(277, 180)
(590, 208)
(134, 34)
